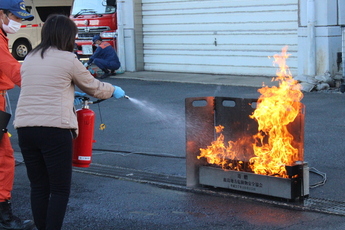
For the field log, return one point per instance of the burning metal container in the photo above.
(235, 171)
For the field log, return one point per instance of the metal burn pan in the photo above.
(286, 188)
(203, 114)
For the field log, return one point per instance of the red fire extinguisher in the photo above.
(82, 145)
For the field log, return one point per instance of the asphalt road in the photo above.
(147, 134)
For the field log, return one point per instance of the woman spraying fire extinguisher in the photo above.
(45, 117)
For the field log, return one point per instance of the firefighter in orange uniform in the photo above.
(12, 12)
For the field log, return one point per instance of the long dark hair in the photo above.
(59, 32)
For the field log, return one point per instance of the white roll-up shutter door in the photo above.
(218, 37)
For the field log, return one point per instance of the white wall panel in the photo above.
(218, 37)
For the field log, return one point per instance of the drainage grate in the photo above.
(179, 183)
(326, 206)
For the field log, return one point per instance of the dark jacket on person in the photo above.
(107, 53)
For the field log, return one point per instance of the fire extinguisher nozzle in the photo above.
(126, 97)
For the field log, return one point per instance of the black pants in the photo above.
(47, 154)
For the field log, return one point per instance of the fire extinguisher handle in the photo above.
(88, 101)
(97, 101)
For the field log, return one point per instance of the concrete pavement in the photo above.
(248, 81)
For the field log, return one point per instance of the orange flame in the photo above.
(228, 156)
(276, 108)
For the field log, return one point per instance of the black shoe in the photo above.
(113, 73)
(105, 70)
(10, 221)
(105, 75)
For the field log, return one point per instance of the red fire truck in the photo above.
(94, 17)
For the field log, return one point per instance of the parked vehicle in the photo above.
(29, 36)
(94, 17)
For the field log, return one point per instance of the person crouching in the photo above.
(104, 57)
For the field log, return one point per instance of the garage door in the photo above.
(219, 37)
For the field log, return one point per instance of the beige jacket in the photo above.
(47, 93)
